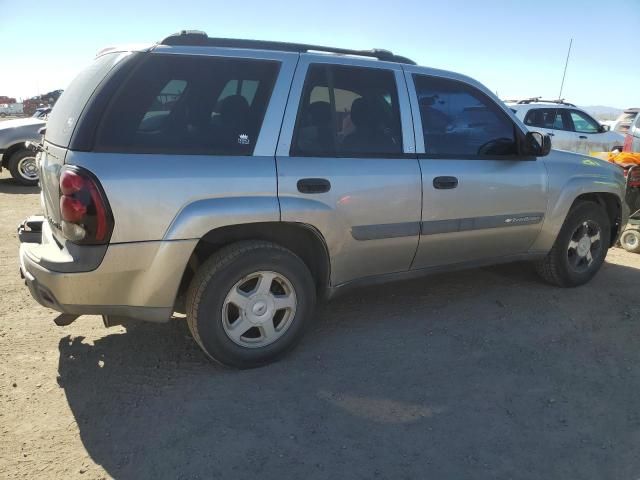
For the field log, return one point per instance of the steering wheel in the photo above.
(497, 146)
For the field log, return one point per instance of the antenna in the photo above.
(565, 69)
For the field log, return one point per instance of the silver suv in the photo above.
(235, 181)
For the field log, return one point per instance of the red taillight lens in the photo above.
(627, 143)
(70, 182)
(86, 217)
(72, 209)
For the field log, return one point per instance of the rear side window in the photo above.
(551, 118)
(64, 116)
(195, 105)
(348, 112)
(459, 120)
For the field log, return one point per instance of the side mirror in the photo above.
(537, 144)
(604, 128)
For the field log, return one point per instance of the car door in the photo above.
(590, 136)
(481, 200)
(554, 123)
(347, 165)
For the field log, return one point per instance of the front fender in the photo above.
(563, 197)
(199, 217)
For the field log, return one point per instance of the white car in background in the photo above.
(569, 127)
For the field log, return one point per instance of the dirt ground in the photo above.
(482, 374)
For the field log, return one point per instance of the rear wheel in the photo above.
(630, 241)
(250, 303)
(23, 167)
(580, 249)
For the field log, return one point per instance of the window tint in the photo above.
(190, 105)
(348, 111)
(547, 118)
(459, 120)
(65, 114)
(583, 123)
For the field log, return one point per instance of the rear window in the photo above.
(189, 105)
(64, 116)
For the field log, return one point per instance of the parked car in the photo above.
(7, 109)
(14, 154)
(632, 136)
(571, 128)
(625, 120)
(236, 181)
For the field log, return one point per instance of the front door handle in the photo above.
(584, 137)
(445, 183)
(314, 185)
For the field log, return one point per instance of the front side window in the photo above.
(348, 111)
(189, 105)
(583, 123)
(459, 120)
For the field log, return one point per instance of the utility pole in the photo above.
(565, 69)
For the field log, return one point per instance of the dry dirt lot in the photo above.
(482, 374)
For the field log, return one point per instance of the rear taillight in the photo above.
(633, 178)
(628, 139)
(85, 212)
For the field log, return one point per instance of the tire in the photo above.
(630, 240)
(567, 264)
(211, 303)
(2, 114)
(20, 165)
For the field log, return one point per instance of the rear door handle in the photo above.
(584, 137)
(550, 134)
(445, 183)
(314, 185)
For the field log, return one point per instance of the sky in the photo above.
(516, 48)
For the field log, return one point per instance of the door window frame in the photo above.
(519, 133)
(585, 114)
(297, 89)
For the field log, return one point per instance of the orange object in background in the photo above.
(620, 158)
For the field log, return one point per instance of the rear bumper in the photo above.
(135, 280)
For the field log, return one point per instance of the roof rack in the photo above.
(201, 39)
(559, 101)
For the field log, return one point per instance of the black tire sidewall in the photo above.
(208, 312)
(587, 211)
(13, 168)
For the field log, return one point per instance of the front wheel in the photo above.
(250, 303)
(23, 167)
(580, 249)
(630, 240)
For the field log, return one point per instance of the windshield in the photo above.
(67, 110)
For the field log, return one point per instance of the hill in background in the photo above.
(602, 112)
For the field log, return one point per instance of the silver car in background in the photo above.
(236, 181)
(14, 153)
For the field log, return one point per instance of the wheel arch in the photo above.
(611, 203)
(302, 239)
(10, 151)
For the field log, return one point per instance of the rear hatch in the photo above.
(62, 122)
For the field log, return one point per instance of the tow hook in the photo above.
(65, 319)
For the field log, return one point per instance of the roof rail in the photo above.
(526, 101)
(199, 38)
